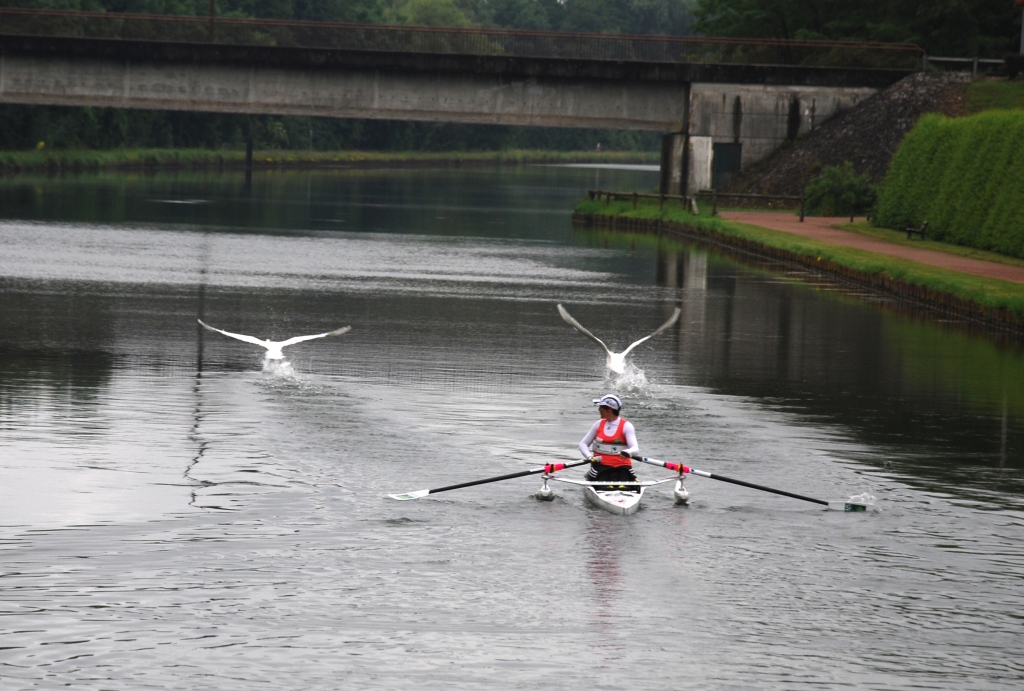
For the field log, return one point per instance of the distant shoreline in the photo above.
(43, 161)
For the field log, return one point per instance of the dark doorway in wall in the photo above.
(725, 164)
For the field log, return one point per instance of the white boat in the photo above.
(619, 501)
(622, 498)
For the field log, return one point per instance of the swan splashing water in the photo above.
(616, 362)
(274, 360)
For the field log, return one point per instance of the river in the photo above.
(175, 516)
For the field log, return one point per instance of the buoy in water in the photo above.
(545, 493)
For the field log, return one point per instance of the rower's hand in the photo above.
(625, 454)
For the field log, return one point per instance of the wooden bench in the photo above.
(911, 230)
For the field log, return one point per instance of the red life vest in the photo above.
(611, 444)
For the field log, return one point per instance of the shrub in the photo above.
(964, 176)
(839, 191)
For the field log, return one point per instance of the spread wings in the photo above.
(579, 327)
(671, 320)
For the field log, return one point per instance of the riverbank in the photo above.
(991, 302)
(13, 162)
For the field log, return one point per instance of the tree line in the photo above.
(988, 28)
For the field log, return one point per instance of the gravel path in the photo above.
(821, 228)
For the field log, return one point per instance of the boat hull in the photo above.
(614, 501)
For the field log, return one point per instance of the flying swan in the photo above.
(275, 348)
(616, 362)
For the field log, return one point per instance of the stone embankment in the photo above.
(867, 135)
(918, 296)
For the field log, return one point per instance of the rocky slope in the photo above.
(866, 135)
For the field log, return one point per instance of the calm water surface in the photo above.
(174, 517)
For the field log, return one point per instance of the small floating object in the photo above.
(545, 493)
(680, 492)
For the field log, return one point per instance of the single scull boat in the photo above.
(622, 498)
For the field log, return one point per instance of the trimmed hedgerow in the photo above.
(964, 176)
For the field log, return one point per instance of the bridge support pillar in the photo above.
(673, 163)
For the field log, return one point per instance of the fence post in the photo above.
(714, 202)
(607, 198)
(801, 205)
(661, 201)
(590, 195)
(974, 67)
(634, 200)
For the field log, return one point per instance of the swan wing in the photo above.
(671, 320)
(240, 337)
(300, 339)
(579, 327)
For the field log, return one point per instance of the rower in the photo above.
(606, 440)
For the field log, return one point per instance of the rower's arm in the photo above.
(589, 439)
(630, 432)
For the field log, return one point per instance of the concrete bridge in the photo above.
(727, 98)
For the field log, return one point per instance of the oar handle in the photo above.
(703, 473)
(549, 468)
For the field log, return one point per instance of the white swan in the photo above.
(274, 348)
(616, 362)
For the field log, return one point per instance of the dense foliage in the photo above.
(839, 191)
(964, 28)
(605, 16)
(964, 176)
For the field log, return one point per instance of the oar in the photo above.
(549, 468)
(835, 505)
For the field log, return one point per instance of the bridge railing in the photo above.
(440, 40)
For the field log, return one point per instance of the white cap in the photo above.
(610, 400)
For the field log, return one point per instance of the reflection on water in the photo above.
(174, 516)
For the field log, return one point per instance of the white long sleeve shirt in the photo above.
(609, 429)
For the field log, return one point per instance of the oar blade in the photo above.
(418, 494)
(848, 506)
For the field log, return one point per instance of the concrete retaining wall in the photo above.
(761, 118)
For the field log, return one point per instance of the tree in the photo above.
(431, 13)
(944, 27)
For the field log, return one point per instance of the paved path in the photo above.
(820, 228)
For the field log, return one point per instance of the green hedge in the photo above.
(965, 176)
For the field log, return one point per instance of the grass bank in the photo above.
(972, 296)
(143, 159)
(992, 94)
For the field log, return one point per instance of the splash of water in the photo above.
(632, 380)
(279, 368)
